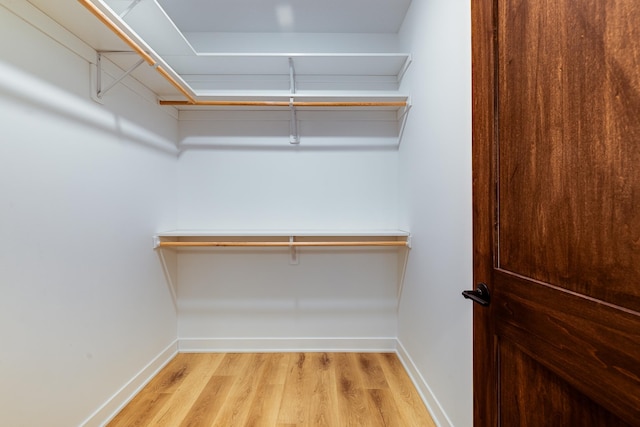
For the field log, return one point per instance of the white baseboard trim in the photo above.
(119, 400)
(437, 413)
(215, 345)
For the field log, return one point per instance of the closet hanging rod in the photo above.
(288, 104)
(279, 244)
(165, 74)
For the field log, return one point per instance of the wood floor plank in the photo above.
(383, 403)
(177, 407)
(294, 407)
(267, 398)
(140, 411)
(172, 375)
(278, 390)
(372, 375)
(324, 396)
(238, 405)
(145, 406)
(353, 408)
(404, 392)
(279, 374)
(205, 410)
(233, 364)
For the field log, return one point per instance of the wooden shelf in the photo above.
(211, 78)
(281, 238)
(294, 232)
(148, 30)
(324, 64)
(292, 240)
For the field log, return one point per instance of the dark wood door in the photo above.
(556, 145)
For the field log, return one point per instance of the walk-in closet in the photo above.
(231, 177)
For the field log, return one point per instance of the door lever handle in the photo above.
(480, 295)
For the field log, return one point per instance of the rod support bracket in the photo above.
(294, 135)
(293, 252)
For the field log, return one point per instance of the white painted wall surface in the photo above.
(348, 295)
(83, 187)
(287, 188)
(435, 178)
(246, 175)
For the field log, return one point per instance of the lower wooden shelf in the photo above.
(281, 238)
(175, 240)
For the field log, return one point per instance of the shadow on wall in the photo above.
(320, 129)
(31, 91)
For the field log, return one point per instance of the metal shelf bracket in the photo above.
(133, 4)
(101, 91)
(404, 68)
(402, 118)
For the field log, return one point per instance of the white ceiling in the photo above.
(308, 16)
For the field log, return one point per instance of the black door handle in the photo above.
(480, 295)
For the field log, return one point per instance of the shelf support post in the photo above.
(292, 77)
(294, 137)
(133, 4)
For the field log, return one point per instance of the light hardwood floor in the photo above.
(278, 390)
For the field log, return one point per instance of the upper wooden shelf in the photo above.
(186, 58)
(360, 73)
(324, 64)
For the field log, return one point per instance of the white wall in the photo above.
(84, 304)
(435, 164)
(253, 299)
(262, 182)
(239, 174)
